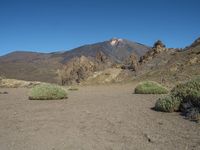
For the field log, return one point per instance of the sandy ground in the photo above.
(92, 118)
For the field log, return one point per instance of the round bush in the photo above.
(184, 97)
(47, 92)
(150, 87)
(187, 91)
(167, 104)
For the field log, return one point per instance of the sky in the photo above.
(57, 25)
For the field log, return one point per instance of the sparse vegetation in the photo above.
(167, 104)
(187, 90)
(150, 87)
(73, 88)
(47, 92)
(13, 83)
(184, 97)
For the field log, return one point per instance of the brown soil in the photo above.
(92, 118)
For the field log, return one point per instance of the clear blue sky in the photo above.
(52, 25)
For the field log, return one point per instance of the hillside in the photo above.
(29, 66)
(165, 65)
(115, 60)
(43, 67)
(116, 49)
(171, 66)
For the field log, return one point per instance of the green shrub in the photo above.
(47, 92)
(167, 104)
(184, 97)
(150, 87)
(185, 90)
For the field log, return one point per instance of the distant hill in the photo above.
(29, 66)
(35, 66)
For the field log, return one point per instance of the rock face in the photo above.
(80, 68)
(101, 57)
(157, 48)
(76, 70)
(131, 63)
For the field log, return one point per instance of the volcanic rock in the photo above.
(157, 48)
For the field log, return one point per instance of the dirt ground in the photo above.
(92, 118)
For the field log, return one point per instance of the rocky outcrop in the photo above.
(101, 57)
(79, 69)
(131, 63)
(76, 70)
(157, 48)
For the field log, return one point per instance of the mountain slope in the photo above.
(29, 66)
(161, 64)
(43, 67)
(115, 49)
(172, 66)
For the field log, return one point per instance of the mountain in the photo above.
(35, 66)
(115, 49)
(115, 60)
(167, 66)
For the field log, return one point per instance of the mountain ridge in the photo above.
(27, 65)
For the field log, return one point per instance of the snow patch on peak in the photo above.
(115, 41)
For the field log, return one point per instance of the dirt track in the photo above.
(92, 118)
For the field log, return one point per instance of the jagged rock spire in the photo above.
(159, 44)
